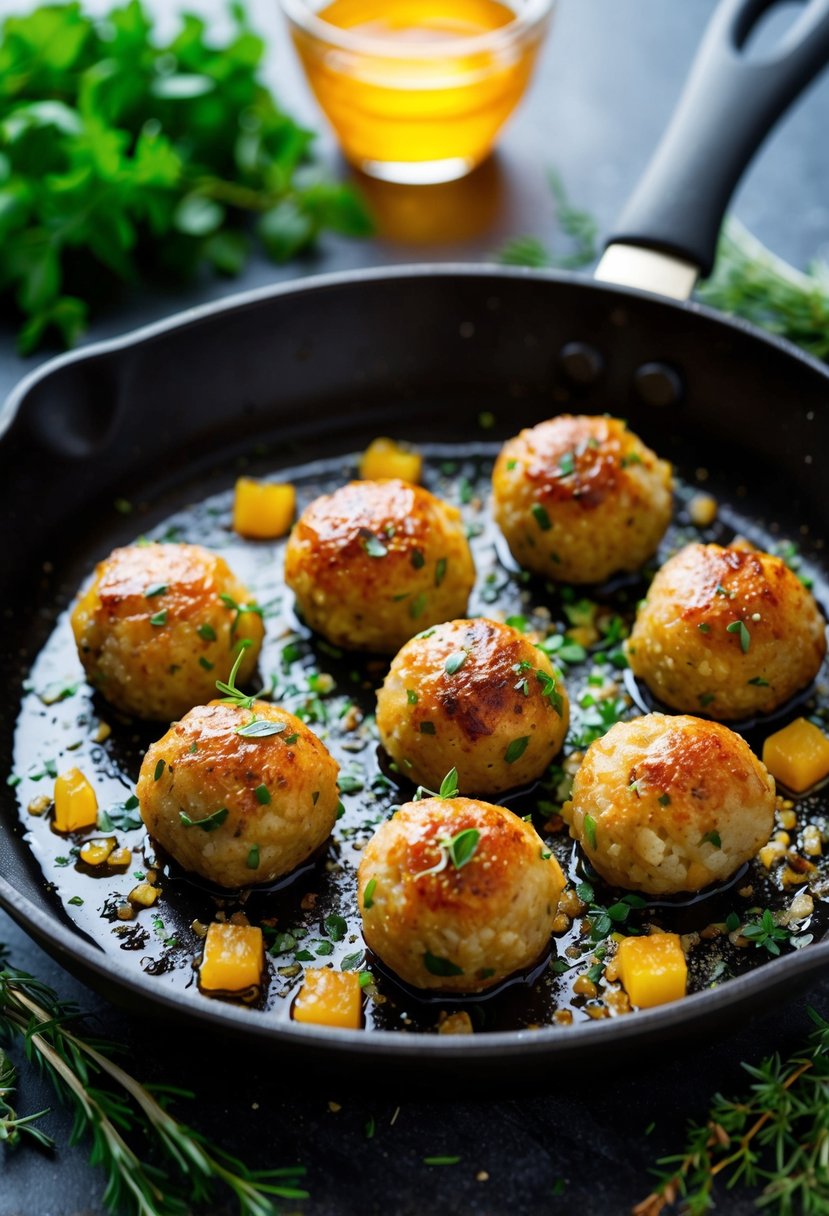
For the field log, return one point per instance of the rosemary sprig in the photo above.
(749, 281)
(776, 1138)
(111, 1105)
(13, 1126)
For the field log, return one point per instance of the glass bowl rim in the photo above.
(531, 15)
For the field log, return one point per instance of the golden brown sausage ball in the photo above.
(377, 561)
(581, 498)
(467, 926)
(666, 804)
(476, 696)
(730, 631)
(154, 634)
(239, 808)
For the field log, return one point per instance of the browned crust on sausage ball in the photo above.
(501, 689)
(676, 803)
(580, 498)
(377, 561)
(156, 655)
(203, 766)
(731, 631)
(488, 918)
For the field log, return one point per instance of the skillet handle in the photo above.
(730, 102)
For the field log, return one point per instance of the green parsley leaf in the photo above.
(159, 618)
(463, 846)
(590, 830)
(263, 795)
(368, 893)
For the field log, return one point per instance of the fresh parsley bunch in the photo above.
(123, 158)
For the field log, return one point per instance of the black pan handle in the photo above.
(731, 101)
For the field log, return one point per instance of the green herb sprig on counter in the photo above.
(773, 1138)
(123, 157)
(749, 281)
(110, 1106)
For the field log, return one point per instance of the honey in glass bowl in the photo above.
(417, 90)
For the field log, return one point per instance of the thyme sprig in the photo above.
(114, 1111)
(775, 1138)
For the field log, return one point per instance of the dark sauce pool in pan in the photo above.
(312, 919)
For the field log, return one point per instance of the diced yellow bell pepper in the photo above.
(96, 852)
(652, 969)
(233, 960)
(76, 806)
(797, 755)
(119, 858)
(385, 458)
(330, 998)
(145, 895)
(262, 510)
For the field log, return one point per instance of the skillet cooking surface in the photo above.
(313, 920)
(115, 428)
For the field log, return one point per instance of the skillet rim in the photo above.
(238, 301)
(546, 1042)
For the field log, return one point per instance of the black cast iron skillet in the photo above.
(320, 367)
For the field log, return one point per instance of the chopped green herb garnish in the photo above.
(158, 589)
(455, 662)
(442, 1160)
(158, 771)
(372, 544)
(208, 824)
(712, 838)
(516, 749)
(567, 464)
(253, 857)
(260, 728)
(206, 632)
(541, 517)
(76, 900)
(436, 965)
(418, 606)
(741, 628)
(590, 830)
(368, 893)
(427, 728)
(352, 961)
(664, 799)
(759, 682)
(440, 570)
(449, 785)
(159, 618)
(417, 559)
(263, 795)
(205, 663)
(411, 696)
(704, 627)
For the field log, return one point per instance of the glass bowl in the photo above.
(417, 90)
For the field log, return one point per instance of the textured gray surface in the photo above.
(605, 86)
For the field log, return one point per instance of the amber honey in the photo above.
(417, 90)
